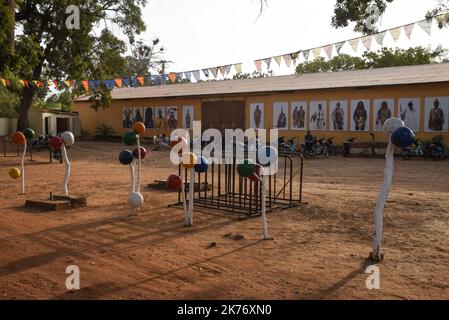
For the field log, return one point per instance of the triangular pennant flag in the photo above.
(316, 53)
(26, 83)
(125, 82)
(118, 83)
(409, 29)
(222, 70)
(328, 49)
(4, 82)
(278, 60)
(172, 77)
(268, 62)
(306, 54)
(188, 75)
(22, 83)
(85, 84)
(35, 82)
(196, 75)
(206, 72)
(258, 64)
(8, 83)
(380, 37)
(238, 68)
(228, 69)
(442, 19)
(367, 41)
(339, 45)
(426, 25)
(396, 33)
(354, 44)
(91, 84)
(141, 80)
(287, 60)
(97, 83)
(49, 83)
(181, 75)
(56, 83)
(214, 71)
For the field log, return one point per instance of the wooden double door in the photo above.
(223, 114)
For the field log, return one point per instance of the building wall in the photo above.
(113, 115)
(7, 126)
(37, 121)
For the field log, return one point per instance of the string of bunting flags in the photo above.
(195, 75)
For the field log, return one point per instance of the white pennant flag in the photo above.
(409, 29)
(196, 75)
(380, 37)
(426, 25)
(354, 44)
(367, 41)
(328, 49)
(214, 71)
(228, 69)
(396, 33)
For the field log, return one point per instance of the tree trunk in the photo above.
(27, 100)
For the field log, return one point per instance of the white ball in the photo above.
(68, 138)
(267, 156)
(392, 124)
(135, 199)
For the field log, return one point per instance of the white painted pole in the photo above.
(382, 199)
(191, 188)
(184, 198)
(65, 181)
(22, 169)
(264, 216)
(139, 172)
(131, 169)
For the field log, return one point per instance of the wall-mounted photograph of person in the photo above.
(299, 115)
(339, 115)
(256, 115)
(360, 115)
(160, 121)
(172, 115)
(127, 117)
(280, 115)
(436, 116)
(318, 115)
(187, 117)
(410, 112)
(383, 110)
(138, 114)
(149, 117)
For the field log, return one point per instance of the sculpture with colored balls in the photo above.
(401, 137)
(20, 139)
(188, 161)
(67, 139)
(174, 182)
(202, 165)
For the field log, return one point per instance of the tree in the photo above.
(143, 59)
(361, 12)
(380, 59)
(255, 74)
(46, 48)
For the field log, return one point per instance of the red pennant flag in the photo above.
(172, 77)
(26, 83)
(8, 83)
(86, 85)
(119, 83)
(56, 84)
(141, 80)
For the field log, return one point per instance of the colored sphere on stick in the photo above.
(68, 138)
(56, 143)
(246, 169)
(29, 133)
(139, 127)
(130, 138)
(403, 137)
(258, 173)
(18, 138)
(174, 182)
(202, 165)
(135, 199)
(14, 173)
(391, 124)
(189, 160)
(143, 153)
(125, 157)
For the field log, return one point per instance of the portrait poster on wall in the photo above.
(149, 117)
(299, 115)
(280, 115)
(383, 110)
(172, 117)
(436, 114)
(339, 115)
(137, 114)
(127, 117)
(409, 111)
(360, 115)
(257, 118)
(318, 115)
(160, 121)
(187, 117)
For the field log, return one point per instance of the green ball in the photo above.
(29, 133)
(130, 138)
(246, 169)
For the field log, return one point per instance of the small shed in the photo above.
(47, 122)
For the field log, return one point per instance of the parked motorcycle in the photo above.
(347, 147)
(318, 148)
(332, 149)
(428, 149)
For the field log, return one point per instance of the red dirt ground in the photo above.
(319, 250)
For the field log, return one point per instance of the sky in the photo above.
(206, 33)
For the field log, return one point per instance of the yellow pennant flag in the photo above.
(316, 53)
(68, 84)
(396, 33)
(22, 83)
(354, 44)
(278, 59)
(238, 68)
(3, 81)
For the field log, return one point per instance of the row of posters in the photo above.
(158, 117)
(297, 117)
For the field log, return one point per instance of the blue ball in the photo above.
(125, 157)
(403, 137)
(202, 165)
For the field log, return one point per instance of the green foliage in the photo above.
(104, 131)
(380, 59)
(144, 58)
(255, 74)
(9, 103)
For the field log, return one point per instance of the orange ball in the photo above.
(139, 127)
(18, 138)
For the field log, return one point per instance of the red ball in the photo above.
(56, 143)
(174, 182)
(143, 153)
(259, 171)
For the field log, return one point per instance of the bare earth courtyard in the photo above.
(319, 250)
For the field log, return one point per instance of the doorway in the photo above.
(223, 114)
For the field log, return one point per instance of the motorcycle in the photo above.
(331, 146)
(318, 148)
(346, 151)
(432, 149)
(287, 147)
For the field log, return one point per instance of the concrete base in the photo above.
(58, 203)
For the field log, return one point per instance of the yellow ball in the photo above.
(188, 160)
(14, 173)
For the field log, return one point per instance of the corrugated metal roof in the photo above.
(347, 79)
